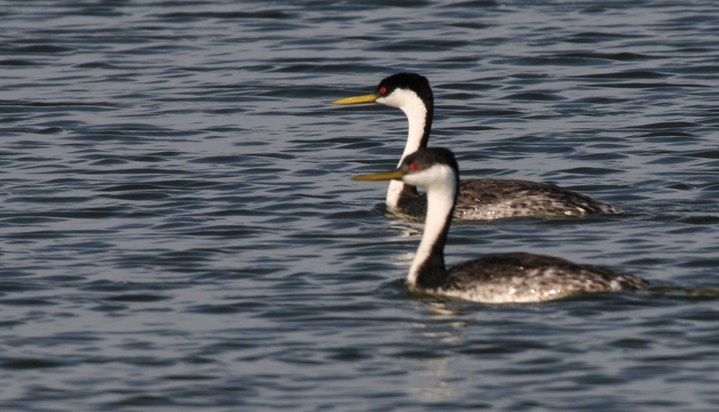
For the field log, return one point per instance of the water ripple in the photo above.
(179, 229)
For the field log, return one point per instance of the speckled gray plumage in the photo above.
(524, 277)
(489, 199)
(499, 198)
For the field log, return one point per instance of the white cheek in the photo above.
(442, 176)
(414, 179)
(392, 100)
(422, 178)
(404, 99)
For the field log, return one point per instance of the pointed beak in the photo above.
(393, 175)
(367, 98)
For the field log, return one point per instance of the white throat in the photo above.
(440, 183)
(416, 112)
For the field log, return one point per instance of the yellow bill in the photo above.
(367, 98)
(393, 175)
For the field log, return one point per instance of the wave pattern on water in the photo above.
(179, 231)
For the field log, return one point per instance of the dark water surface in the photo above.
(178, 230)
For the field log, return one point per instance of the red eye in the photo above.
(414, 166)
(383, 90)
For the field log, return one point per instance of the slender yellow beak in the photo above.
(367, 98)
(393, 175)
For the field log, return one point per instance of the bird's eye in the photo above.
(382, 90)
(414, 166)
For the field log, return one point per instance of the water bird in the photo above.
(478, 199)
(501, 278)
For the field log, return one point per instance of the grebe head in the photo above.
(401, 90)
(435, 170)
(412, 94)
(427, 168)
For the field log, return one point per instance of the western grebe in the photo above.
(505, 278)
(478, 199)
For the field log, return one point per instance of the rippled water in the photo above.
(179, 230)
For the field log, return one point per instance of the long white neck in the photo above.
(440, 203)
(416, 113)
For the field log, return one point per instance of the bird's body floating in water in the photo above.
(504, 278)
(477, 199)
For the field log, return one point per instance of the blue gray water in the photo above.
(178, 230)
